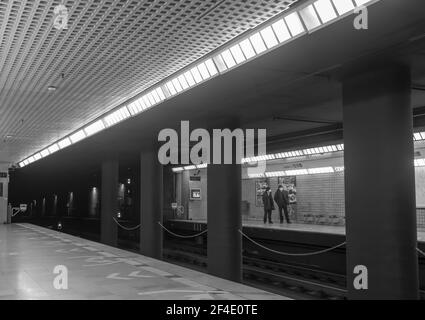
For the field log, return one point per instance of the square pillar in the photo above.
(380, 184)
(109, 202)
(151, 204)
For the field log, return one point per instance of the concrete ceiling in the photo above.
(111, 51)
(301, 79)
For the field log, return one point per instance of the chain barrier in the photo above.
(182, 236)
(126, 228)
(292, 254)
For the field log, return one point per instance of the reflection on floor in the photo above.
(29, 254)
(301, 227)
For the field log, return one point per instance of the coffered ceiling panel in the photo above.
(111, 51)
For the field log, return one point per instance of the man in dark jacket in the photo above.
(268, 205)
(282, 200)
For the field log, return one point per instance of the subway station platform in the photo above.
(29, 255)
(301, 227)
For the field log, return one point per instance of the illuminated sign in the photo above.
(195, 194)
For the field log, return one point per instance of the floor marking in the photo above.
(180, 291)
(131, 276)
(108, 255)
(91, 249)
(157, 271)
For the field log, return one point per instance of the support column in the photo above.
(151, 203)
(109, 202)
(380, 184)
(224, 219)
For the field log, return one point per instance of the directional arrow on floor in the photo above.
(67, 251)
(131, 275)
(137, 274)
(115, 276)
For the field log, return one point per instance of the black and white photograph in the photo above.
(212, 158)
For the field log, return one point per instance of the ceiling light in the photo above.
(228, 58)
(116, 116)
(325, 10)
(155, 96)
(203, 70)
(183, 82)
(94, 128)
(160, 93)
(64, 143)
(196, 75)
(361, 2)
(189, 78)
(247, 48)
(146, 101)
(44, 153)
(212, 69)
(177, 85)
(258, 43)
(171, 88)
(151, 98)
(78, 136)
(269, 37)
(294, 24)
(237, 54)
(310, 18)
(52, 88)
(281, 30)
(53, 148)
(134, 108)
(343, 6)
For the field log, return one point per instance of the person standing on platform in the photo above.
(268, 205)
(282, 200)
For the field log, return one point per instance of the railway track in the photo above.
(285, 279)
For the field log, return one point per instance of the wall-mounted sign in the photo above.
(195, 178)
(195, 194)
(23, 207)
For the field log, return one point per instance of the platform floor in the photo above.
(301, 227)
(29, 254)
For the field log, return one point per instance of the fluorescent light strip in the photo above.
(258, 43)
(315, 14)
(343, 6)
(269, 37)
(362, 2)
(78, 136)
(295, 153)
(247, 48)
(298, 172)
(203, 70)
(117, 116)
(325, 10)
(44, 153)
(64, 143)
(310, 18)
(53, 148)
(94, 128)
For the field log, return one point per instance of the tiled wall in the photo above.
(316, 194)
